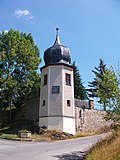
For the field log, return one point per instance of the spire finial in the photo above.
(57, 30)
(57, 41)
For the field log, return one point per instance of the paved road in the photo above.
(60, 150)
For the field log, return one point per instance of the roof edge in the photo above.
(57, 64)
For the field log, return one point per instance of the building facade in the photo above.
(55, 107)
(57, 110)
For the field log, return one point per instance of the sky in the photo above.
(90, 28)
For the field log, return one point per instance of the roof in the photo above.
(57, 53)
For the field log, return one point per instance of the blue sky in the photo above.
(90, 28)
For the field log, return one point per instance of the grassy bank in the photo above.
(36, 133)
(108, 149)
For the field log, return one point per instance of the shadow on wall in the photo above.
(71, 156)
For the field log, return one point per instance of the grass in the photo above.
(84, 134)
(9, 136)
(104, 129)
(48, 135)
(37, 137)
(45, 135)
(34, 137)
(108, 149)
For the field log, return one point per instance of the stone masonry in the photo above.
(88, 120)
(86, 117)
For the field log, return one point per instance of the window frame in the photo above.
(68, 79)
(68, 103)
(43, 102)
(45, 79)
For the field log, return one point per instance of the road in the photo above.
(73, 149)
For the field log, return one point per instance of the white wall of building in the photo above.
(56, 114)
(69, 125)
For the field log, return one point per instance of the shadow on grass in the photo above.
(71, 156)
(19, 125)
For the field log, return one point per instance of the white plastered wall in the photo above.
(68, 93)
(54, 123)
(69, 125)
(59, 116)
(62, 124)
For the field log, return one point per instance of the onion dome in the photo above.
(57, 53)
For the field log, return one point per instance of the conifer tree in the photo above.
(104, 85)
(79, 89)
(98, 75)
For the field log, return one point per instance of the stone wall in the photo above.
(31, 112)
(86, 119)
(89, 120)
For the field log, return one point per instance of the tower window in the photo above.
(45, 79)
(68, 103)
(68, 79)
(43, 103)
(80, 114)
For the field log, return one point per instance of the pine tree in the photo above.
(79, 89)
(104, 85)
(98, 75)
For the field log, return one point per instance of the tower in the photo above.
(57, 110)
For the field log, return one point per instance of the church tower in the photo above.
(57, 110)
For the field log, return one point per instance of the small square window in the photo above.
(68, 103)
(45, 79)
(43, 103)
(68, 79)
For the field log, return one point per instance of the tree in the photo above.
(79, 89)
(114, 105)
(95, 85)
(19, 60)
(104, 86)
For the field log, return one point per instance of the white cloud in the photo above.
(31, 17)
(5, 31)
(20, 13)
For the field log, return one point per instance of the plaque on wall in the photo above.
(55, 89)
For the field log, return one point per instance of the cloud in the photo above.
(5, 31)
(31, 17)
(20, 13)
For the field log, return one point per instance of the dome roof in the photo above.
(57, 53)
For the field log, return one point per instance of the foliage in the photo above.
(9, 136)
(79, 90)
(19, 60)
(114, 105)
(95, 86)
(109, 148)
(104, 86)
